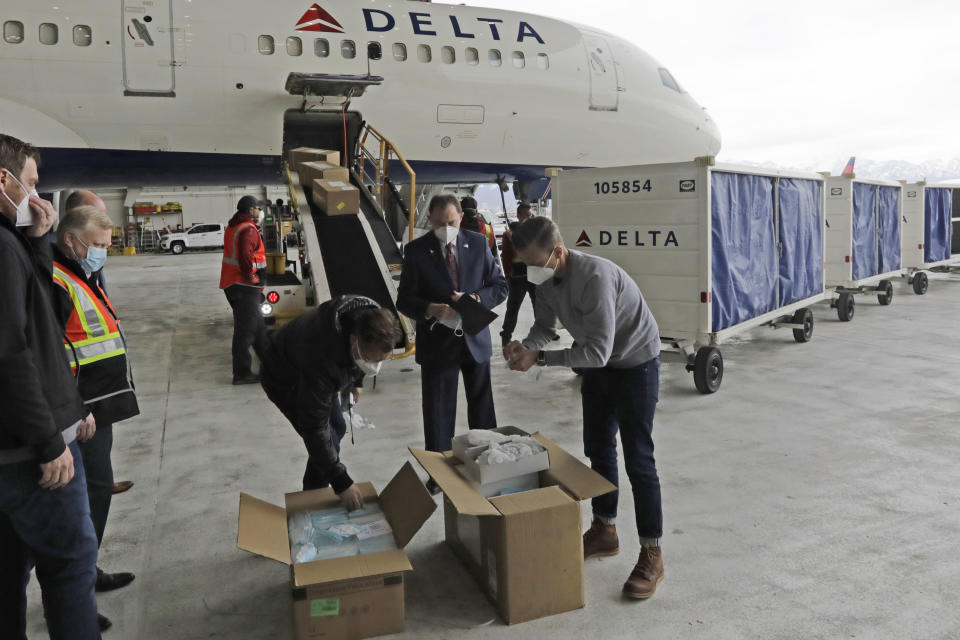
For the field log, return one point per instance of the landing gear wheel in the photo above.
(176, 248)
(885, 296)
(708, 370)
(845, 307)
(920, 283)
(804, 317)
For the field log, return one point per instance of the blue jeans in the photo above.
(624, 400)
(53, 531)
(314, 476)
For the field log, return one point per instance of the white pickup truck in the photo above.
(199, 236)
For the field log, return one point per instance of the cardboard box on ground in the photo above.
(354, 597)
(524, 549)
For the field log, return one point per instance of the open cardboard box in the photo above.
(486, 474)
(524, 549)
(354, 597)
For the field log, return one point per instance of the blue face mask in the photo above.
(96, 258)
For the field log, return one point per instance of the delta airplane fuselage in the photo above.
(190, 92)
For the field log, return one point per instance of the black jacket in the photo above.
(37, 389)
(113, 377)
(309, 362)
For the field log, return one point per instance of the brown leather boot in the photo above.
(645, 577)
(600, 541)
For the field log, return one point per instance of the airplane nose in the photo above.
(711, 135)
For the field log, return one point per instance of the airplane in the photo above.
(848, 169)
(181, 92)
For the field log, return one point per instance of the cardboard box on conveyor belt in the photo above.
(335, 197)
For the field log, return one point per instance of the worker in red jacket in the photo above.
(473, 221)
(242, 276)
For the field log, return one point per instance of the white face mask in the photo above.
(455, 324)
(446, 235)
(24, 215)
(368, 368)
(539, 275)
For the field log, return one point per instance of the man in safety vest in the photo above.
(97, 352)
(472, 221)
(241, 278)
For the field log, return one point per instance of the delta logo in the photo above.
(378, 21)
(623, 238)
(318, 19)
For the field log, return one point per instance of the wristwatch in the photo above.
(542, 358)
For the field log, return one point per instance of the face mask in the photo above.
(455, 325)
(368, 368)
(96, 258)
(24, 216)
(446, 235)
(539, 275)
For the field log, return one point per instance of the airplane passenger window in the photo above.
(495, 58)
(265, 44)
(13, 31)
(473, 56)
(348, 49)
(49, 33)
(399, 51)
(424, 53)
(543, 61)
(374, 51)
(321, 47)
(519, 60)
(294, 46)
(668, 81)
(448, 55)
(82, 35)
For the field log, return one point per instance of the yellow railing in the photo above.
(381, 160)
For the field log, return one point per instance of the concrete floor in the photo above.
(816, 496)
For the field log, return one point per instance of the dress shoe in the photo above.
(104, 622)
(112, 581)
(600, 541)
(645, 577)
(123, 485)
(249, 379)
(433, 487)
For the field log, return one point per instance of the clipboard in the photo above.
(476, 317)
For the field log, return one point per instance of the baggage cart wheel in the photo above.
(845, 307)
(885, 297)
(804, 317)
(708, 370)
(920, 283)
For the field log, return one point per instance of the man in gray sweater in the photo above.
(617, 346)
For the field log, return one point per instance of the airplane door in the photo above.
(148, 60)
(604, 86)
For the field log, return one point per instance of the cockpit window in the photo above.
(669, 81)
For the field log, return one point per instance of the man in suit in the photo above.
(438, 269)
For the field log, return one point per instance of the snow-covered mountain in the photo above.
(931, 171)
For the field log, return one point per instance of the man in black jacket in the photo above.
(98, 347)
(314, 359)
(44, 514)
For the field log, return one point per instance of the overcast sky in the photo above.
(801, 83)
